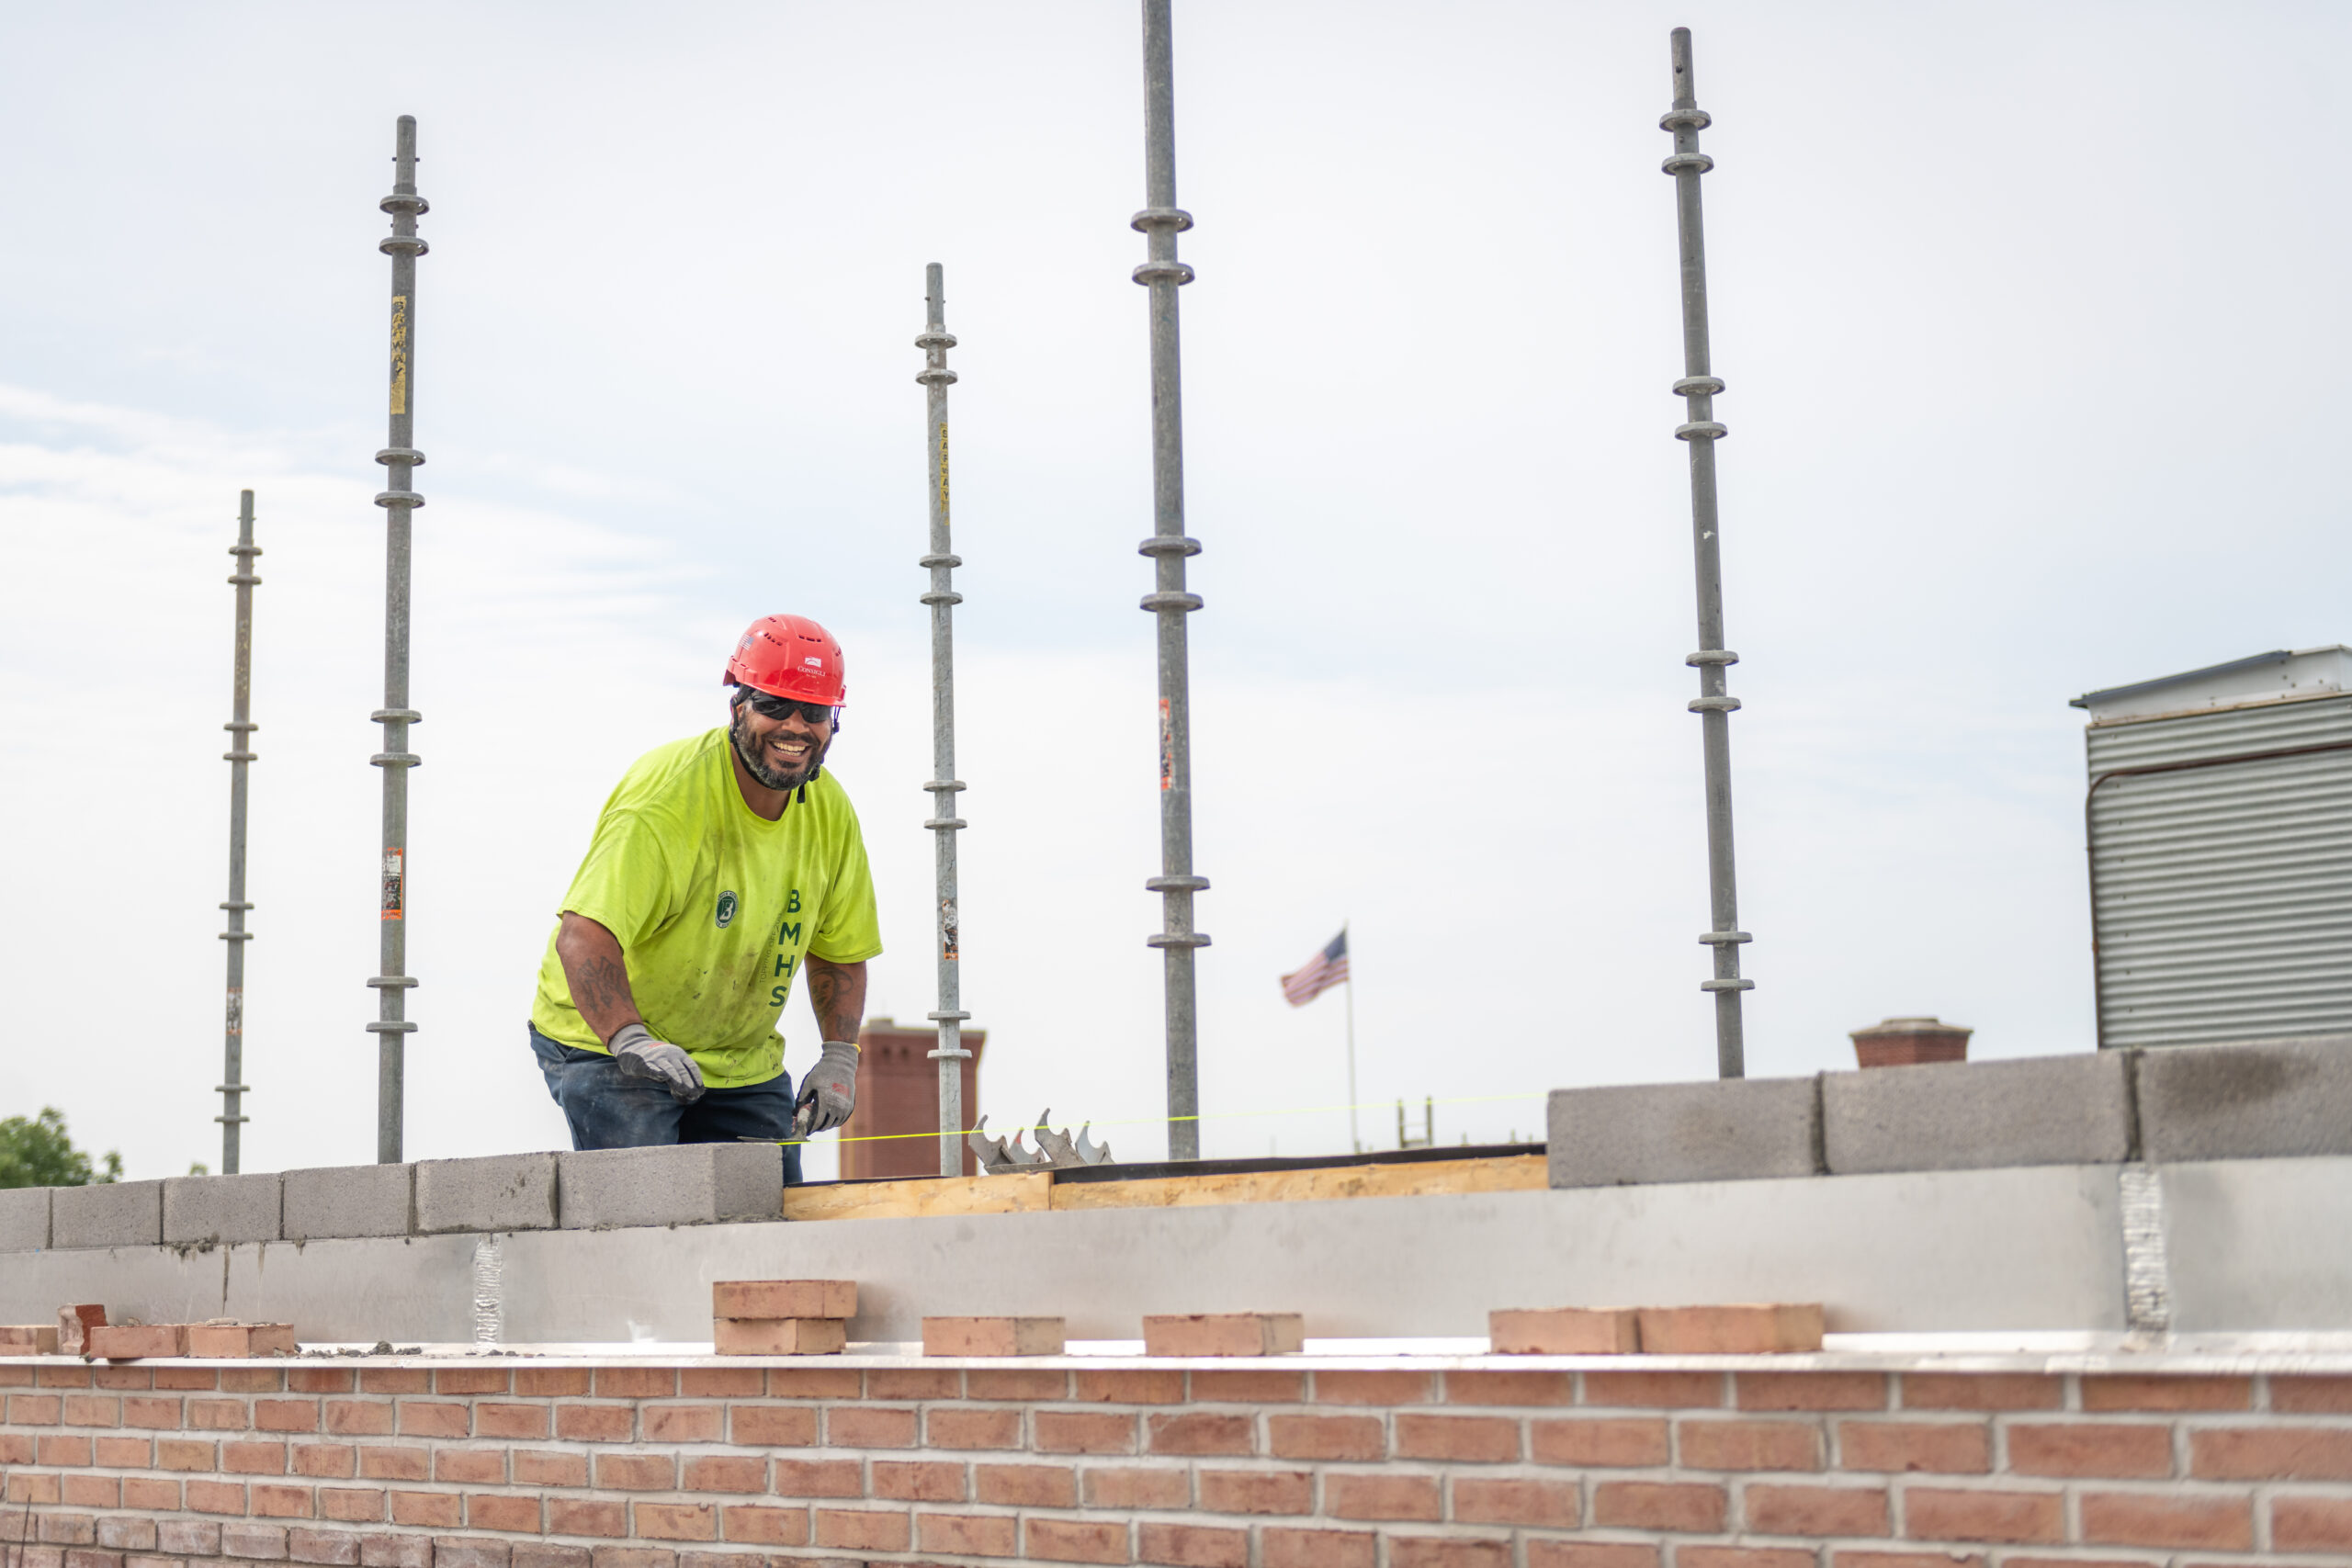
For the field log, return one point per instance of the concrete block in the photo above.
(994, 1336)
(2280, 1099)
(778, 1336)
(674, 1184)
(24, 1218)
(784, 1298)
(349, 1200)
(501, 1192)
(1225, 1334)
(1979, 1115)
(1731, 1330)
(1728, 1129)
(1564, 1331)
(117, 1213)
(220, 1208)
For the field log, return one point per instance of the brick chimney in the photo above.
(898, 1091)
(1908, 1041)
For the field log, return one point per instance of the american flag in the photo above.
(1321, 972)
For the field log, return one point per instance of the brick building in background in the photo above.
(897, 1093)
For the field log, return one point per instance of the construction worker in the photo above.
(723, 867)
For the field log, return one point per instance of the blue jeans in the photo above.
(609, 1109)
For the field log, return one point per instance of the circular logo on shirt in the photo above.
(726, 911)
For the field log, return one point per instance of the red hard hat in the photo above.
(789, 656)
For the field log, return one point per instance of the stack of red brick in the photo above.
(782, 1318)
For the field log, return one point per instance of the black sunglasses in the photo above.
(768, 706)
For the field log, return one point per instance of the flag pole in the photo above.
(1355, 1143)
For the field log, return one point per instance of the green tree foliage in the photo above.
(35, 1152)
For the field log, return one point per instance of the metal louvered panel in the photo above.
(2222, 877)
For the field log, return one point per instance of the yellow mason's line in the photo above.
(1160, 1121)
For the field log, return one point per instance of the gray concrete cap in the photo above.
(1724, 1130)
(1978, 1116)
(676, 1184)
(348, 1199)
(2283, 1097)
(116, 1213)
(24, 1219)
(220, 1208)
(501, 1192)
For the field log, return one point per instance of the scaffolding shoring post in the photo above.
(1713, 705)
(241, 727)
(400, 458)
(945, 823)
(1162, 221)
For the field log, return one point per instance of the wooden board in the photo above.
(1503, 1173)
(1021, 1192)
(1014, 1194)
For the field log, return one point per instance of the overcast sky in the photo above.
(2029, 315)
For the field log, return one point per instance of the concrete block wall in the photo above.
(2279, 1100)
(687, 1184)
(2182, 1104)
(1601, 1462)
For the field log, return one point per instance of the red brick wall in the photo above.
(511, 1465)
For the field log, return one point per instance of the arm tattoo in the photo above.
(604, 984)
(597, 972)
(837, 994)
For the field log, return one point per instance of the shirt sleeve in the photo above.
(848, 931)
(629, 883)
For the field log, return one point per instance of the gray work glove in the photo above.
(638, 1054)
(830, 1091)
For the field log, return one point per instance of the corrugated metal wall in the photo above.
(2222, 895)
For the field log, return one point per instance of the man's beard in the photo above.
(749, 751)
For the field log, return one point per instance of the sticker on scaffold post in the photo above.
(399, 354)
(236, 1009)
(947, 933)
(1166, 747)
(395, 883)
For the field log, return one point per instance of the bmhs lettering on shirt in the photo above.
(787, 941)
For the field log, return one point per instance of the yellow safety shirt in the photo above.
(715, 907)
